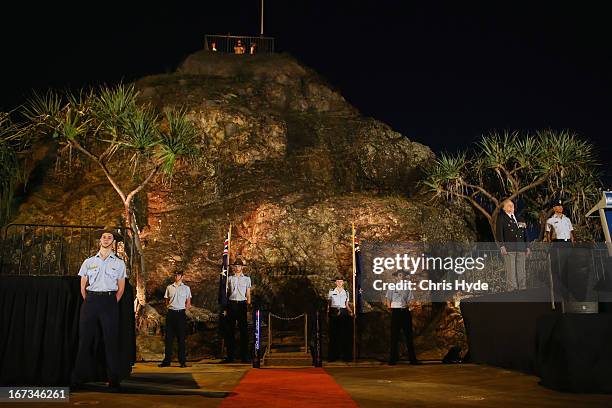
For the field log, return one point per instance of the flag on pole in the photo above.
(224, 272)
(357, 272)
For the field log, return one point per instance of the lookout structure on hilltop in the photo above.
(241, 44)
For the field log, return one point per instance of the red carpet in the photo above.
(294, 388)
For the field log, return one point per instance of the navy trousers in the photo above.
(102, 310)
(401, 320)
(176, 326)
(339, 335)
(237, 313)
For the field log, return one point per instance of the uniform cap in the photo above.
(557, 202)
(239, 262)
(108, 230)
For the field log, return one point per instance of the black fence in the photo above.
(239, 44)
(53, 250)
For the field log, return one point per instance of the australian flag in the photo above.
(224, 273)
(358, 290)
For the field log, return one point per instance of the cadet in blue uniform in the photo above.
(178, 300)
(239, 288)
(398, 301)
(560, 232)
(102, 285)
(339, 322)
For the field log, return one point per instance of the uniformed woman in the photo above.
(102, 285)
(339, 322)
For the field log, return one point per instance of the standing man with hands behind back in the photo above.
(102, 285)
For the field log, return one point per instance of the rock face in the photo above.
(289, 163)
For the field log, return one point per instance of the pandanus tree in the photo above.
(108, 127)
(14, 141)
(534, 168)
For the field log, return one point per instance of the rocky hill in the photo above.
(289, 163)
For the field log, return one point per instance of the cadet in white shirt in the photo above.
(339, 322)
(398, 301)
(102, 285)
(559, 227)
(178, 300)
(560, 232)
(239, 299)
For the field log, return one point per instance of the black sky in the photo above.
(441, 73)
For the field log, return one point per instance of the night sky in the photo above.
(440, 73)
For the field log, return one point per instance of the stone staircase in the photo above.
(287, 350)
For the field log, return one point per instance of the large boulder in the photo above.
(288, 162)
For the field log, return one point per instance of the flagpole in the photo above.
(354, 297)
(229, 253)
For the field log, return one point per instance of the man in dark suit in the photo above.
(512, 238)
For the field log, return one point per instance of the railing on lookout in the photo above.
(56, 250)
(227, 44)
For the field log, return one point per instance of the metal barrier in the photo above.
(538, 264)
(230, 44)
(56, 250)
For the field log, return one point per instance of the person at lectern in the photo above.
(102, 285)
(339, 322)
(512, 238)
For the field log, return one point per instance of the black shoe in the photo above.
(114, 386)
(416, 362)
(183, 365)
(226, 361)
(162, 364)
(76, 387)
(392, 362)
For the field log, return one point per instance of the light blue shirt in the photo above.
(399, 299)
(562, 226)
(103, 274)
(338, 297)
(177, 296)
(238, 287)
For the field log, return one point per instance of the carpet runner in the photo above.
(291, 388)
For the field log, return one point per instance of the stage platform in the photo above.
(367, 384)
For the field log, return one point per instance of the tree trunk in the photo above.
(141, 280)
(493, 222)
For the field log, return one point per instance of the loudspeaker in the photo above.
(581, 307)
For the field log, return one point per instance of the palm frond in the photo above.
(178, 140)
